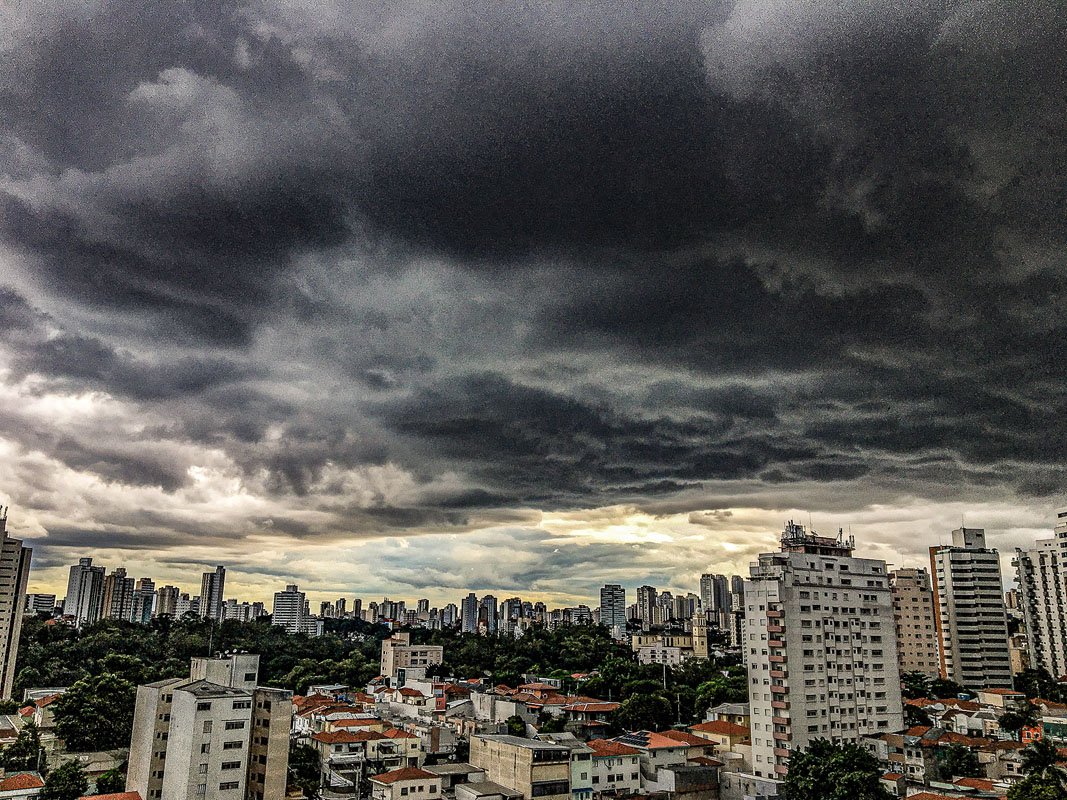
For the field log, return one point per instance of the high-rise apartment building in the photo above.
(646, 606)
(167, 601)
(40, 604)
(972, 624)
(488, 613)
(1041, 573)
(144, 600)
(469, 613)
(913, 613)
(14, 573)
(117, 600)
(214, 735)
(613, 608)
(449, 615)
(715, 593)
(820, 647)
(85, 593)
(212, 587)
(291, 611)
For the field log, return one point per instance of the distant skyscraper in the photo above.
(212, 588)
(118, 596)
(290, 609)
(14, 572)
(914, 611)
(85, 593)
(715, 593)
(41, 604)
(469, 613)
(972, 623)
(449, 615)
(144, 600)
(489, 606)
(167, 601)
(1041, 572)
(613, 607)
(820, 647)
(646, 606)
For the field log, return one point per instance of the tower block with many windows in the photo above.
(820, 645)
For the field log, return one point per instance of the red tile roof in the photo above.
(982, 784)
(397, 733)
(704, 761)
(403, 774)
(115, 796)
(606, 747)
(720, 727)
(892, 776)
(686, 738)
(24, 780)
(347, 737)
(600, 707)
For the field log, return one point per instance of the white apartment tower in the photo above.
(913, 613)
(972, 621)
(85, 593)
(214, 735)
(14, 572)
(820, 646)
(1041, 573)
(290, 609)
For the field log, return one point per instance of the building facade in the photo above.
(913, 614)
(212, 588)
(820, 647)
(85, 593)
(1041, 574)
(613, 608)
(972, 623)
(14, 573)
(533, 768)
(213, 735)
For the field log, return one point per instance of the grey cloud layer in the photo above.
(563, 256)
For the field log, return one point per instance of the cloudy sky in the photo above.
(417, 298)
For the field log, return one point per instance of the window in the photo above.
(403, 791)
(241, 704)
(233, 745)
(231, 765)
(545, 788)
(205, 747)
(202, 769)
(201, 789)
(229, 785)
(207, 726)
(234, 725)
(203, 706)
(250, 676)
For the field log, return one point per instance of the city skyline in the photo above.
(497, 297)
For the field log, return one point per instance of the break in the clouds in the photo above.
(374, 297)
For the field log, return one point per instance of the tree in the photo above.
(65, 782)
(304, 768)
(644, 712)
(1013, 721)
(832, 771)
(958, 761)
(914, 685)
(1038, 786)
(96, 713)
(944, 688)
(516, 725)
(1041, 756)
(916, 715)
(25, 752)
(111, 782)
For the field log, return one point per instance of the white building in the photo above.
(85, 593)
(214, 735)
(1041, 573)
(820, 646)
(291, 612)
(14, 572)
(972, 620)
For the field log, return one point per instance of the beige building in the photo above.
(821, 648)
(1041, 572)
(214, 735)
(972, 622)
(913, 615)
(399, 654)
(533, 768)
(408, 782)
(14, 572)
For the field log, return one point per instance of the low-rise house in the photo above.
(737, 713)
(616, 768)
(581, 762)
(725, 735)
(532, 768)
(408, 782)
(20, 786)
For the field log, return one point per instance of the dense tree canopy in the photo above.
(959, 761)
(830, 771)
(65, 782)
(25, 752)
(96, 713)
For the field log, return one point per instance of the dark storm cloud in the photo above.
(559, 255)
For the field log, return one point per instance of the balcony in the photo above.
(781, 752)
(774, 615)
(779, 689)
(781, 769)
(780, 720)
(776, 659)
(776, 629)
(782, 704)
(782, 737)
(779, 673)
(775, 643)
